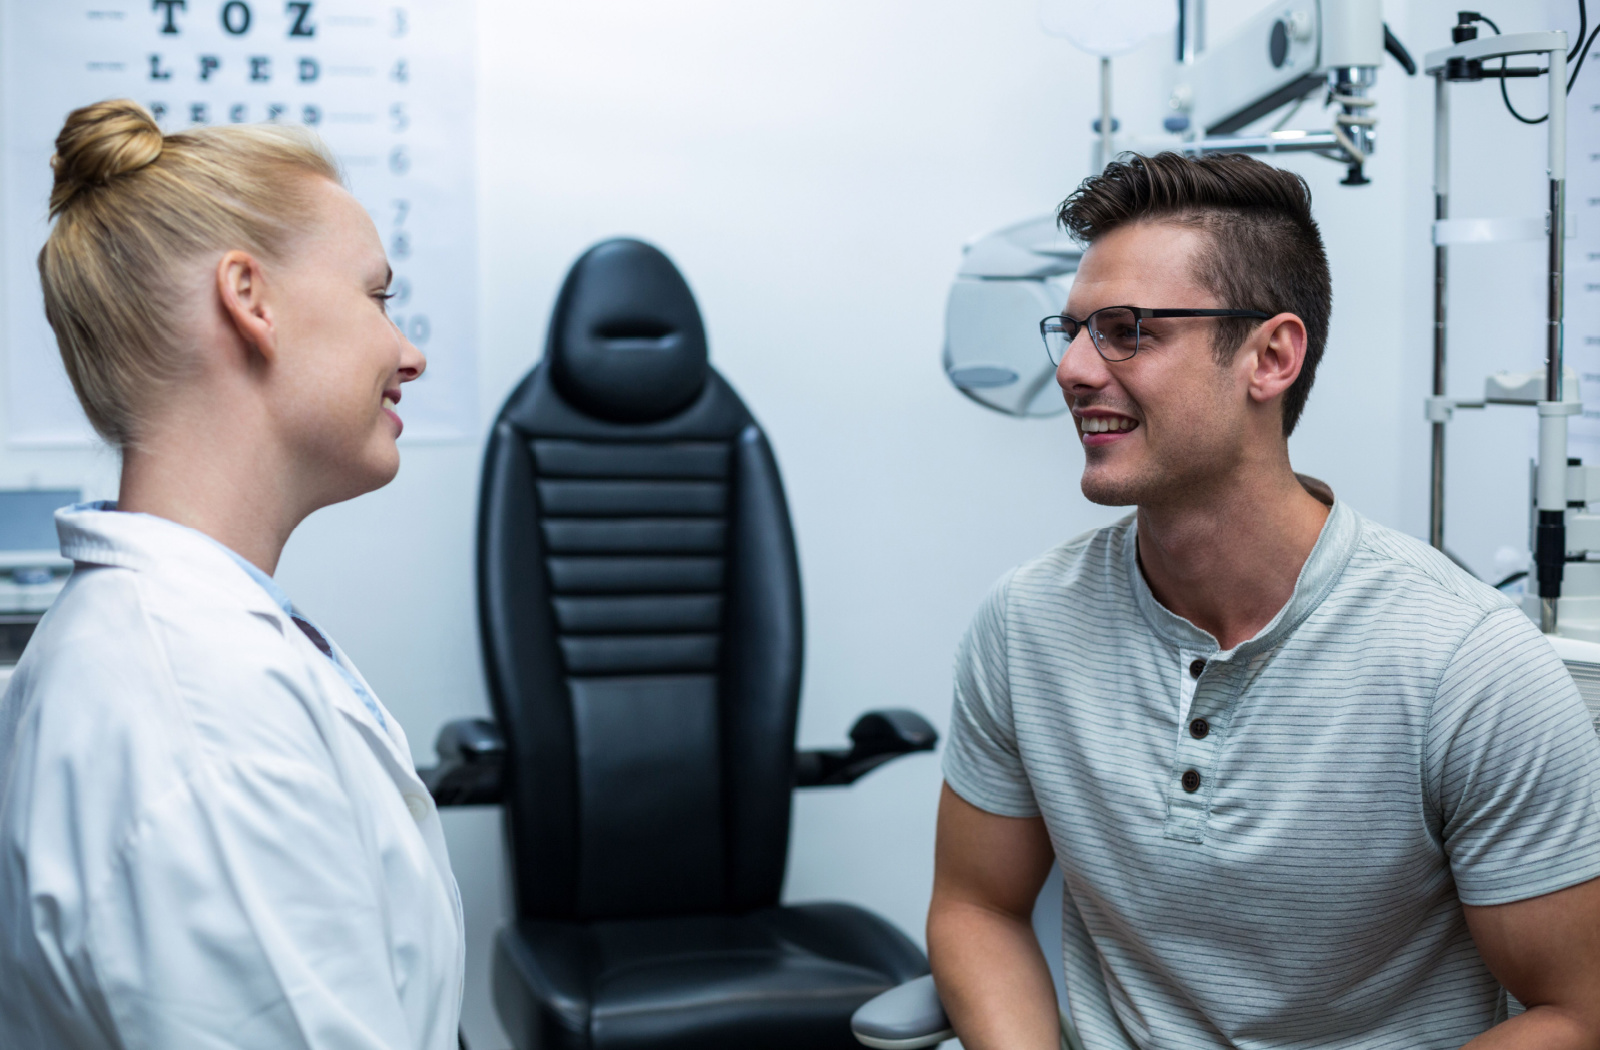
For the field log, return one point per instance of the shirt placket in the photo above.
(1189, 778)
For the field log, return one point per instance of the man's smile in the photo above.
(1099, 427)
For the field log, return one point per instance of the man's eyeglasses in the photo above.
(1114, 330)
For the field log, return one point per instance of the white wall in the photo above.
(814, 169)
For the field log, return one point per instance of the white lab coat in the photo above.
(206, 840)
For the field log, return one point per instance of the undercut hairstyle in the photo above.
(134, 209)
(1265, 251)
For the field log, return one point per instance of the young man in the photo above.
(1308, 784)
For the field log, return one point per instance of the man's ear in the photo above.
(242, 291)
(1279, 349)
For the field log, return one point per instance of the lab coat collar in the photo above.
(99, 534)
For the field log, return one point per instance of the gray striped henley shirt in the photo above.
(1268, 847)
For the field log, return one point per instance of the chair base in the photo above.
(778, 978)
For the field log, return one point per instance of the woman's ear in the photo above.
(1280, 351)
(242, 291)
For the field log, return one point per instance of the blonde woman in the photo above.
(210, 831)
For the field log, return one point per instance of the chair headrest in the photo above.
(626, 341)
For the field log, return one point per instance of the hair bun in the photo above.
(100, 142)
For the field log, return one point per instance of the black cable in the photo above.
(1513, 578)
(1581, 52)
(1504, 94)
(1588, 44)
(1506, 97)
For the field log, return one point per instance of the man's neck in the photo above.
(1227, 562)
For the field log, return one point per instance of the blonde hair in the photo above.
(132, 207)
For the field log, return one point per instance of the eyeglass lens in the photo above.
(1115, 332)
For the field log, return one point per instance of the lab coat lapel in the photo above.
(390, 743)
(394, 753)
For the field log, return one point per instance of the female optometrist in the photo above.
(211, 834)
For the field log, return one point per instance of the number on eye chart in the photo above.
(416, 328)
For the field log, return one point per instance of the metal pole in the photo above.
(1323, 142)
(1105, 112)
(1441, 210)
(1558, 208)
(1191, 34)
(1550, 545)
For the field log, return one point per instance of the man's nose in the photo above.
(1081, 368)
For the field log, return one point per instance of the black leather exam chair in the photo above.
(639, 599)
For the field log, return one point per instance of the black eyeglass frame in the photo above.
(1140, 313)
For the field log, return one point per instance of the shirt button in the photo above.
(1199, 728)
(1191, 781)
(1196, 667)
(418, 807)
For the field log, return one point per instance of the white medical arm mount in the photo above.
(1013, 276)
(1281, 56)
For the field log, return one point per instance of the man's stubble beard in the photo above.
(1196, 474)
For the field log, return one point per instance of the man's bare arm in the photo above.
(1546, 952)
(986, 961)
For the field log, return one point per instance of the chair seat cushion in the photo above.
(771, 979)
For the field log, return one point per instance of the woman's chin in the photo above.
(385, 467)
(373, 472)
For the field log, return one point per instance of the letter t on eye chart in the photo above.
(388, 86)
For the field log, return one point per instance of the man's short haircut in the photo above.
(1265, 254)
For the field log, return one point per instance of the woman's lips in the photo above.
(388, 408)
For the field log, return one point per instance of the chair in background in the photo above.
(639, 598)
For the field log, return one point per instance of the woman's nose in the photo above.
(412, 362)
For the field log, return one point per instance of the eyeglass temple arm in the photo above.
(1144, 312)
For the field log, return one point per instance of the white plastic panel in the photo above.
(1234, 74)
(1488, 231)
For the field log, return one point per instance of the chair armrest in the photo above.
(876, 738)
(903, 1018)
(472, 755)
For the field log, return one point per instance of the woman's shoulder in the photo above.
(138, 670)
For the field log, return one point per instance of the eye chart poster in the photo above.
(388, 85)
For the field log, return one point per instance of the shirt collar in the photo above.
(278, 595)
(1328, 558)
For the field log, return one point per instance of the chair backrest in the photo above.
(639, 599)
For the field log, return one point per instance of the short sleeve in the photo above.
(981, 761)
(1514, 766)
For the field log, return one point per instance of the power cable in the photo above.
(1578, 54)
